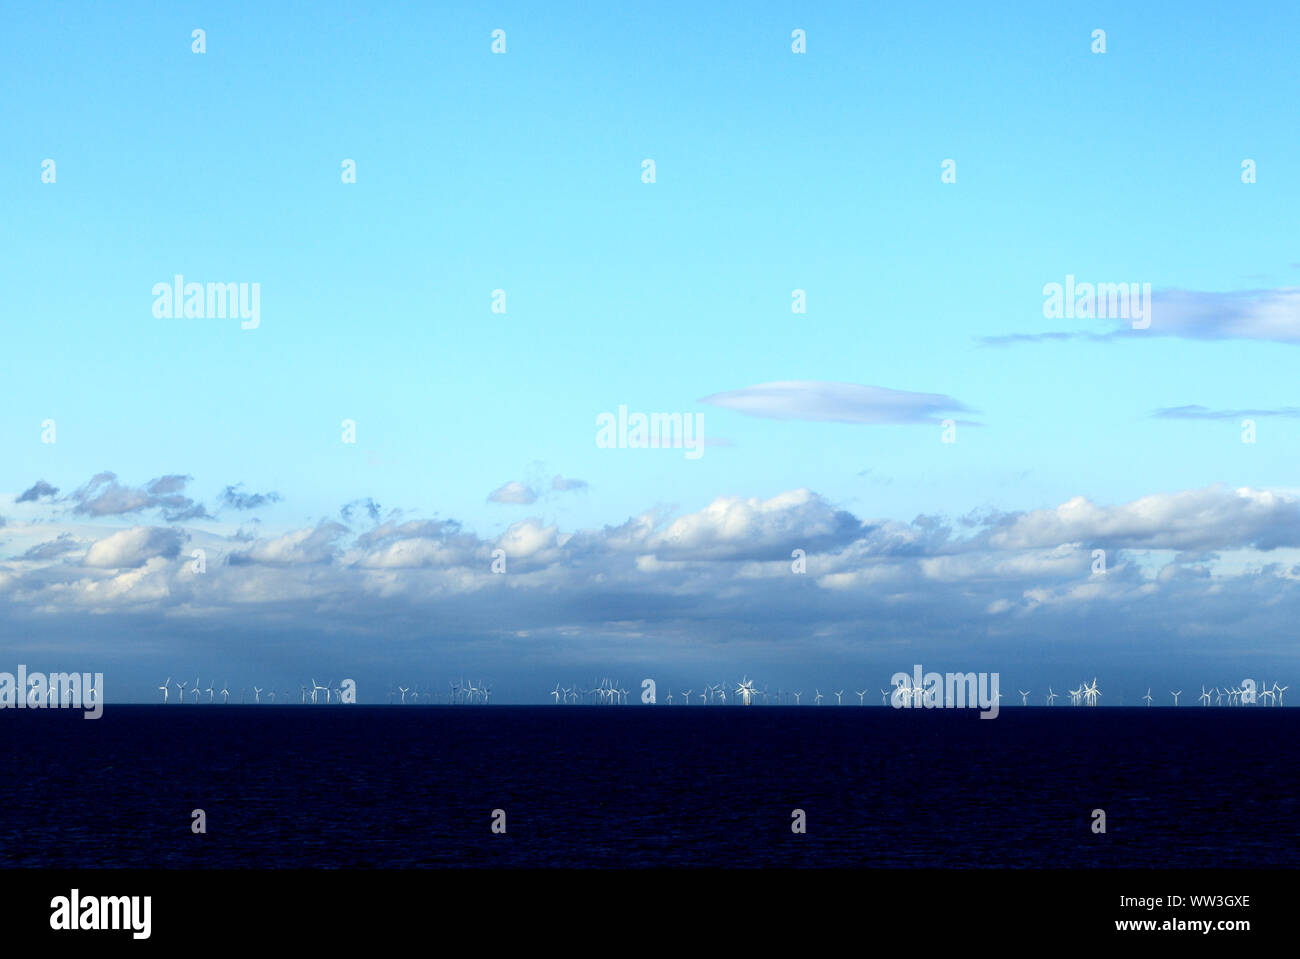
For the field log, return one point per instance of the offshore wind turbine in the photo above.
(1204, 697)
(225, 694)
(1147, 697)
(211, 692)
(196, 691)
(817, 700)
(745, 690)
(861, 693)
(1024, 696)
(884, 697)
(165, 687)
(1051, 696)
(798, 695)
(1279, 690)
(181, 697)
(257, 693)
(839, 697)
(1175, 693)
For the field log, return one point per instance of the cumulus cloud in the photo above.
(103, 495)
(311, 546)
(129, 548)
(721, 573)
(514, 492)
(1212, 518)
(837, 403)
(563, 485)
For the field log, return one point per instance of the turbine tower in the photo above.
(1175, 693)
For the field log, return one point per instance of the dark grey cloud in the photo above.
(235, 498)
(37, 491)
(358, 506)
(63, 543)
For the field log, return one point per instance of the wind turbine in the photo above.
(745, 691)
(1024, 696)
(839, 697)
(884, 697)
(1175, 693)
(181, 687)
(1204, 697)
(686, 696)
(798, 695)
(1051, 696)
(196, 691)
(1218, 698)
(1147, 697)
(165, 687)
(1280, 690)
(403, 690)
(861, 693)
(225, 694)
(1092, 692)
(211, 692)
(817, 700)
(257, 692)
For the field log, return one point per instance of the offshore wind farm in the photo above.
(905, 692)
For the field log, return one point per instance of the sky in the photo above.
(476, 428)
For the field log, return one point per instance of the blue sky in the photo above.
(522, 172)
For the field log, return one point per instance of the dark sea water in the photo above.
(349, 786)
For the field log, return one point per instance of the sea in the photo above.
(466, 787)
